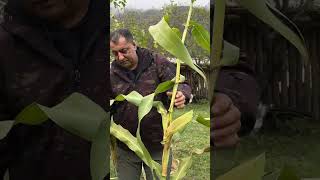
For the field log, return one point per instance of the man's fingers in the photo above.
(180, 106)
(229, 141)
(180, 99)
(226, 131)
(221, 104)
(228, 118)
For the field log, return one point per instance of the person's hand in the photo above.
(225, 122)
(179, 100)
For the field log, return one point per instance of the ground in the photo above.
(293, 142)
(194, 136)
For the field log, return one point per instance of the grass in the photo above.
(194, 136)
(293, 142)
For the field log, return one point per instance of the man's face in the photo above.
(125, 53)
(51, 10)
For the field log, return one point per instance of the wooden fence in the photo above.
(285, 82)
(199, 88)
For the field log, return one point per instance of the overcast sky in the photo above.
(157, 4)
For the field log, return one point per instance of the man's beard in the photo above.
(125, 63)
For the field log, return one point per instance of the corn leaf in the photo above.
(145, 106)
(177, 31)
(78, 115)
(183, 168)
(250, 170)
(203, 121)
(180, 122)
(231, 54)
(100, 152)
(170, 41)
(201, 151)
(164, 86)
(164, 114)
(260, 9)
(126, 137)
(200, 35)
(133, 97)
(31, 115)
(5, 127)
(82, 117)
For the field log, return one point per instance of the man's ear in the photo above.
(134, 46)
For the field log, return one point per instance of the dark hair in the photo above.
(115, 35)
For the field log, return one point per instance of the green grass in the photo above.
(194, 136)
(294, 143)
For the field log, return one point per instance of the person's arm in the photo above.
(234, 107)
(240, 84)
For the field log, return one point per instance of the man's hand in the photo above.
(225, 121)
(180, 99)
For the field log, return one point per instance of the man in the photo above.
(138, 69)
(50, 49)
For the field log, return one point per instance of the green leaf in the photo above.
(5, 127)
(201, 151)
(78, 115)
(287, 173)
(164, 86)
(166, 17)
(145, 106)
(100, 152)
(180, 122)
(169, 40)
(177, 31)
(203, 121)
(231, 54)
(162, 110)
(31, 115)
(127, 138)
(134, 97)
(250, 170)
(183, 168)
(182, 79)
(260, 9)
(201, 36)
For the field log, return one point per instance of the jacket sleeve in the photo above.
(167, 71)
(239, 83)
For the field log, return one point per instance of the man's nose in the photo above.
(120, 56)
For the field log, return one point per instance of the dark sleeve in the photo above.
(239, 83)
(167, 71)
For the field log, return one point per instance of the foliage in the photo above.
(78, 115)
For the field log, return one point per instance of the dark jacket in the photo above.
(152, 70)
(32, 69)
(240, 84)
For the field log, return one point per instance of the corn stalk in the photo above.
(167, 135)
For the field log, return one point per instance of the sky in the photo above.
(158, 4)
